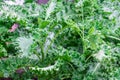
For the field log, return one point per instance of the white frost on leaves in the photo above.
(24, 44)
(48, 68)
(80, 3)
(48, 41)
(100, 55)
(1, 13)
(110, 7)
(114, 15)
(16, 2)
(9, 12)
(50, 9)
(107, 9)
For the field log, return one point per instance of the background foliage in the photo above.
(60, 40)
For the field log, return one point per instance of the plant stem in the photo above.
(41, 47)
